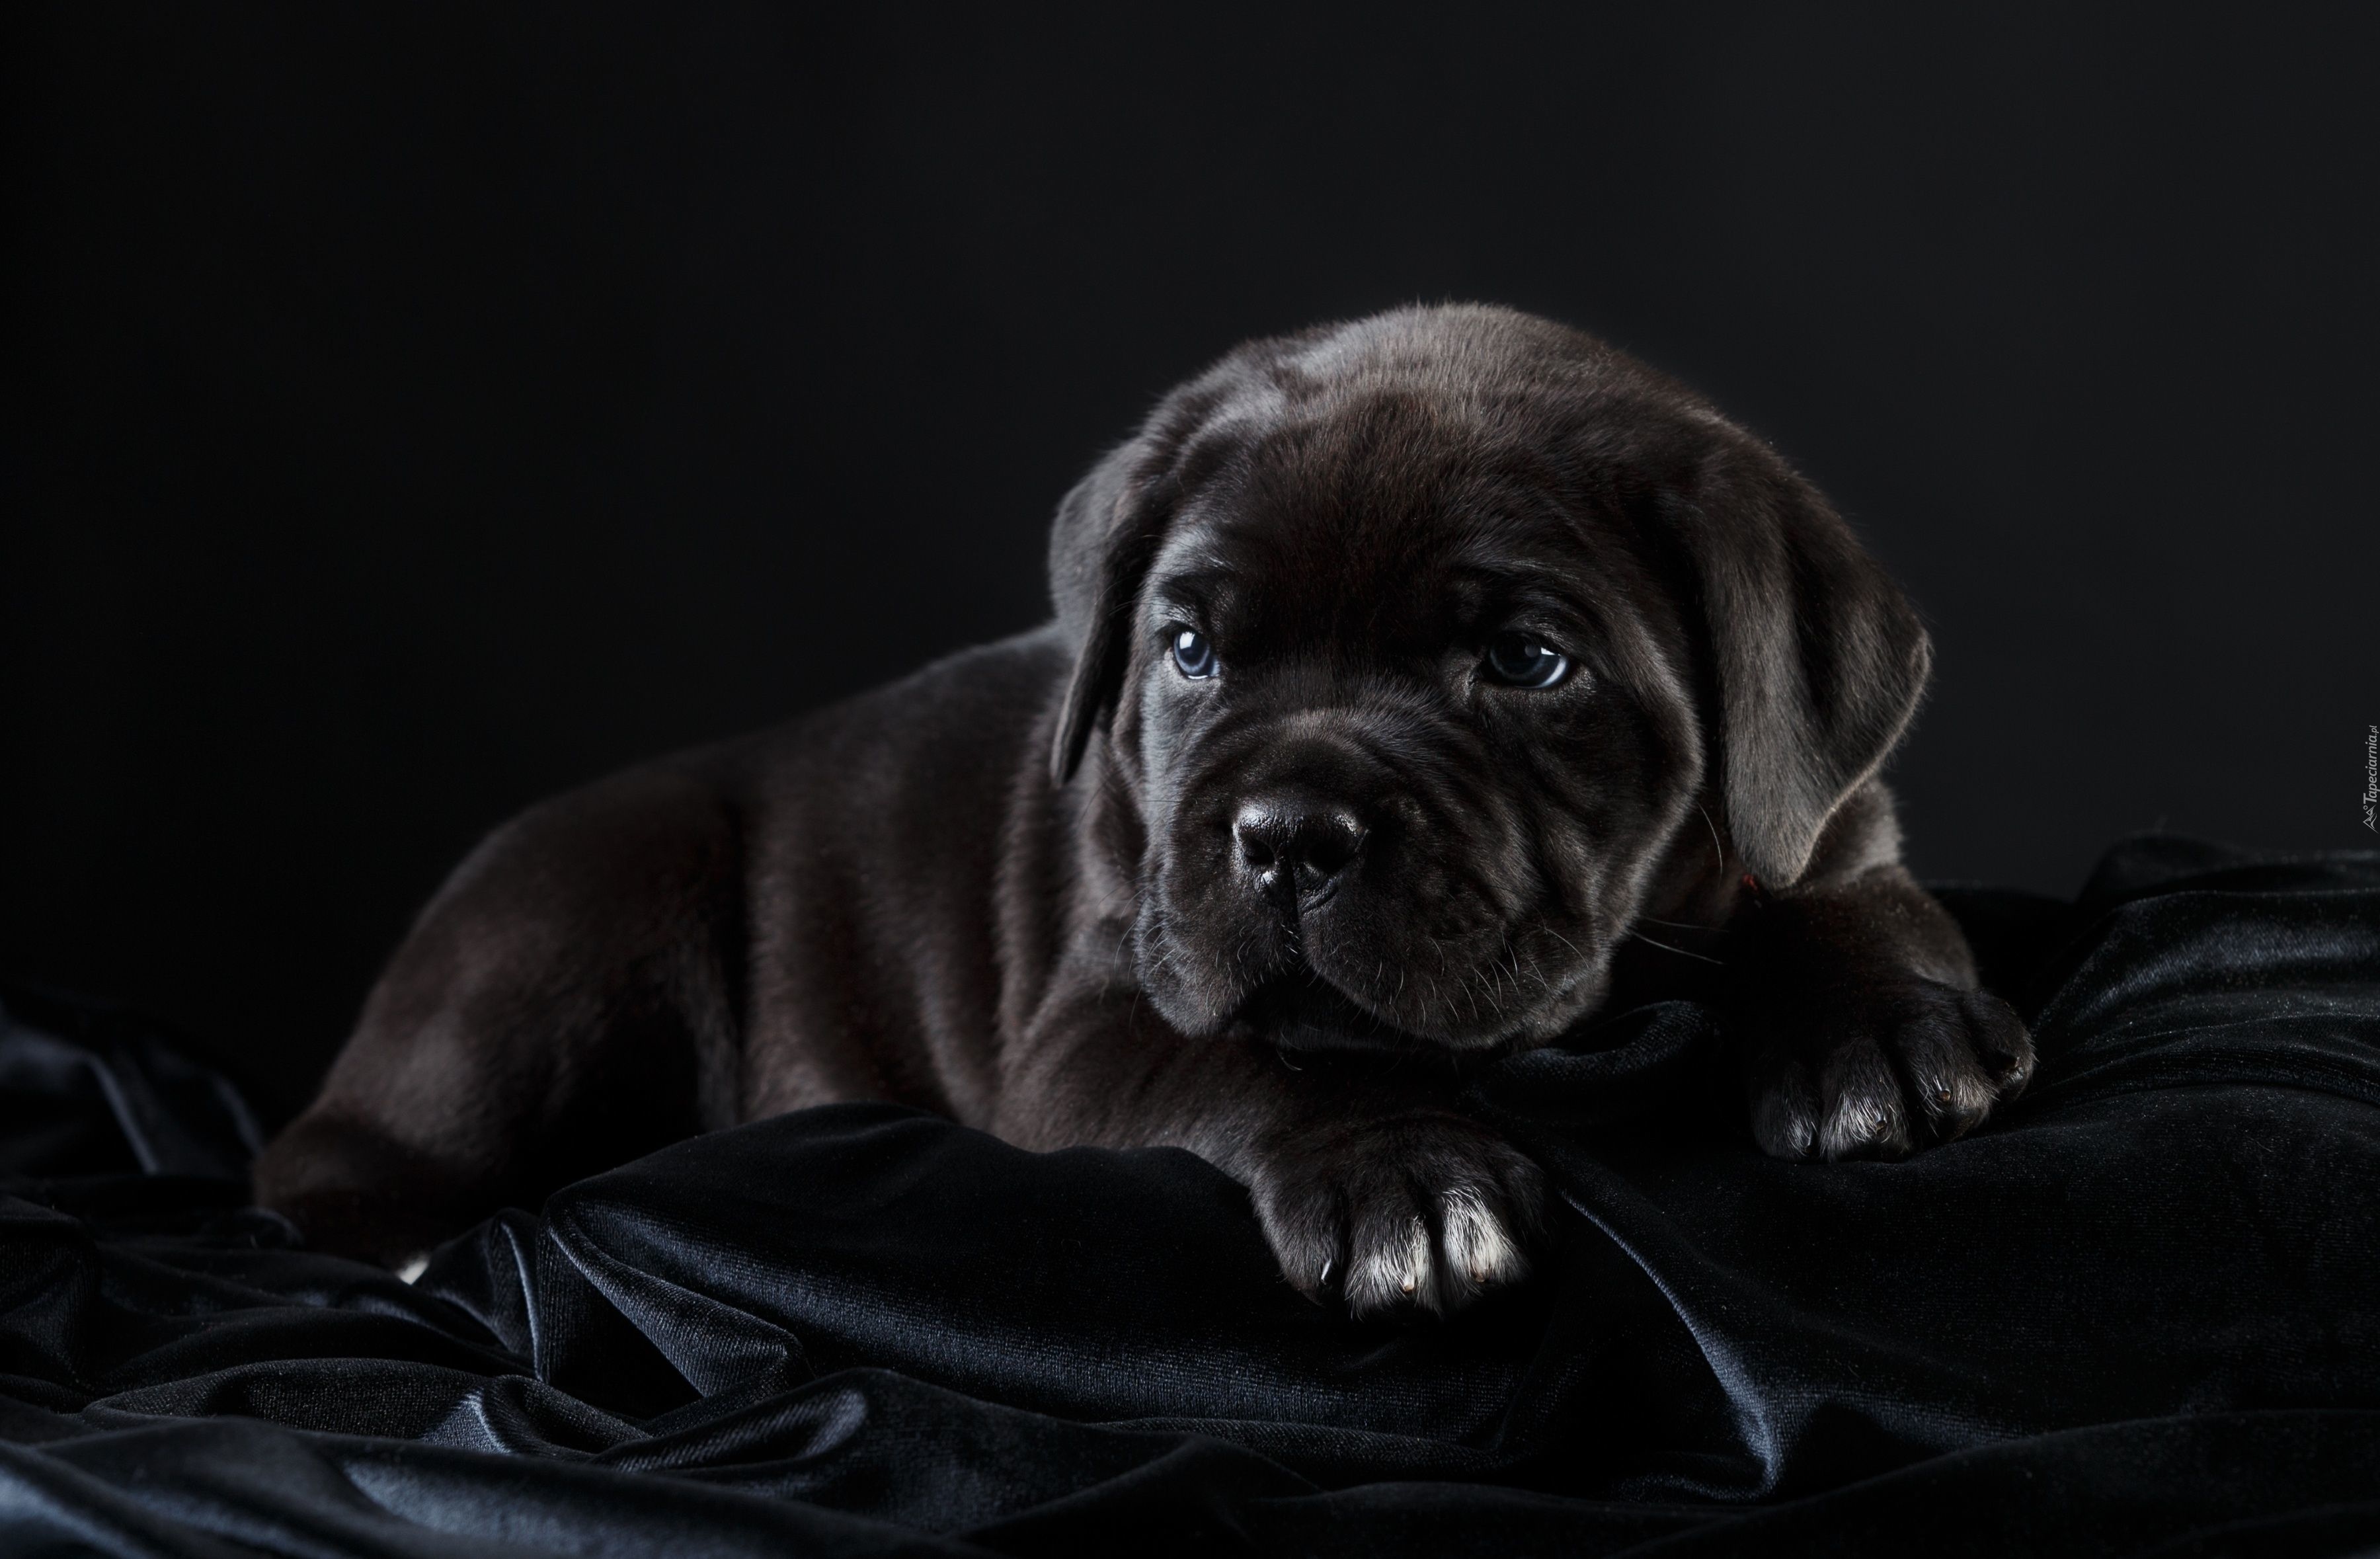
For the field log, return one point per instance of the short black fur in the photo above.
(1057, 889)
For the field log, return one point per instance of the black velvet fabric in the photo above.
(2138, 1314)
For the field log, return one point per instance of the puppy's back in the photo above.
(796, 916)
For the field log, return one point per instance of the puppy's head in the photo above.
(1412, 645)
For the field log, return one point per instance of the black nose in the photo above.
(1296, 844)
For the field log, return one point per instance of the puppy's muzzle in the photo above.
(1297, 847)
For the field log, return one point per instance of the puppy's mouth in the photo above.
(1297, 1009)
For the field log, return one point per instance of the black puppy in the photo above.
(1403, 671)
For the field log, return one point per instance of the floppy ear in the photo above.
(1106, 539)
(1100, 548)
(1818, 656)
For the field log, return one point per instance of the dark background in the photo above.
(418, 410)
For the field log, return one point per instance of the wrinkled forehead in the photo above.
(1391, 512)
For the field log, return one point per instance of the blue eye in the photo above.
(1194, 654)
(1520, 660)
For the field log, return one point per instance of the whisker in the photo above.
(1718, 852)
(1680, 951)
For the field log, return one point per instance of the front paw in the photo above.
(1424, 1210)
(1878, 1070)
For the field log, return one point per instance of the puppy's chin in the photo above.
(1298, 1010)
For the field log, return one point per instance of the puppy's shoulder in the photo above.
(926, 760)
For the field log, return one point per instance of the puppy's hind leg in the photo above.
(566, 1003)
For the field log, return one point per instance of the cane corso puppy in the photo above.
(1419, 688)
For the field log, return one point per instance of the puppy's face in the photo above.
(1411, 637)
(1406, 737)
